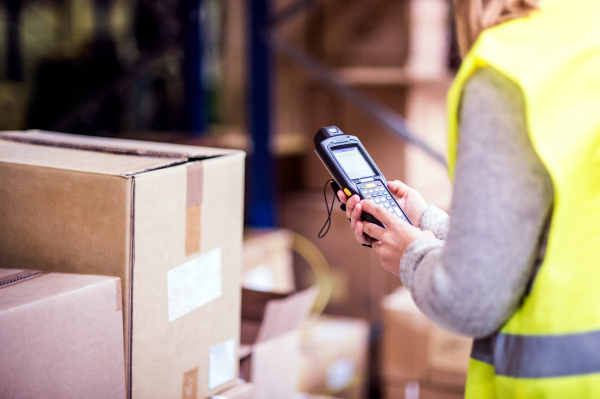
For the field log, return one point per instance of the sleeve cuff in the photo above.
(436, 221)
(412, 257)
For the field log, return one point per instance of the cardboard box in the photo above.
(267, 260)
(364, 33)
(415, 348)
(429, 38)
(426, 111)
(270, 338)
(243, 390)
(334, 356)
(165, 219)
(411, 389)
(61, 335)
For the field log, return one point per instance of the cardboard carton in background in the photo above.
(166, 219)
(243, 390)
(270, 339)
(415, 348)
(61, 336)
(267, 260)
(412, 389)
(334, 356)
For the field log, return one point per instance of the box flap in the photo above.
(245, 351)
(283, 315)
(96, 154)
(34, 286)
(255, 302)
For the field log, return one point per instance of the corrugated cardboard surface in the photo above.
(334, 356)
(414, 348)
(69, 221)
(141, 148)
(161, 228)
(61, 337)
(121, 207)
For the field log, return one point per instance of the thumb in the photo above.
(398, 188)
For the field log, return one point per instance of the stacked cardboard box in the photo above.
(61, 335)
(165, 219)
(334, 356)
(267, 260)
(243, 390)
(426, 111)
(270, 340)
(414, 349)
(414, 389)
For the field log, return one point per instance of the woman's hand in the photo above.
(409, 199)
(389, 242)
(353, 212)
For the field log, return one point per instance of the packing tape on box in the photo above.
(195, 182)
(190, 384)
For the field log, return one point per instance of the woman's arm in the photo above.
(501, 200)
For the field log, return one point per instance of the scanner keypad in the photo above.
(377, 193)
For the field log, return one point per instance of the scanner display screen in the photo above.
(353, 162)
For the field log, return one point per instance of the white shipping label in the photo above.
(194, 284)
(340, 374)
(221, 363)
(259, 278)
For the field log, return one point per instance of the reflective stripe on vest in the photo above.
(548, 346)
(540, 356)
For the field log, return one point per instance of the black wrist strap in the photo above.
(327, 224)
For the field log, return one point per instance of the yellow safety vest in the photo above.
(550, 347)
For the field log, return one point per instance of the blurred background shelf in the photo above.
(390, 76)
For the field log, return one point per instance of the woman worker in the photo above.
(518, 265)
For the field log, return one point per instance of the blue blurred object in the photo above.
(196, 108)
(262, 202)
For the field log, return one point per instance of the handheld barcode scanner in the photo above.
(354, 171)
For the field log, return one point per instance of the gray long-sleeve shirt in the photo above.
(472, 282)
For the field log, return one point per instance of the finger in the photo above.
(360, 236)
(376, 245)
(373, 231)
(352, 202)
(355, 216)
(342, 197)
(378, 211)
(398, 188)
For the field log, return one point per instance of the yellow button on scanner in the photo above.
(370, 185)
(348, 193)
